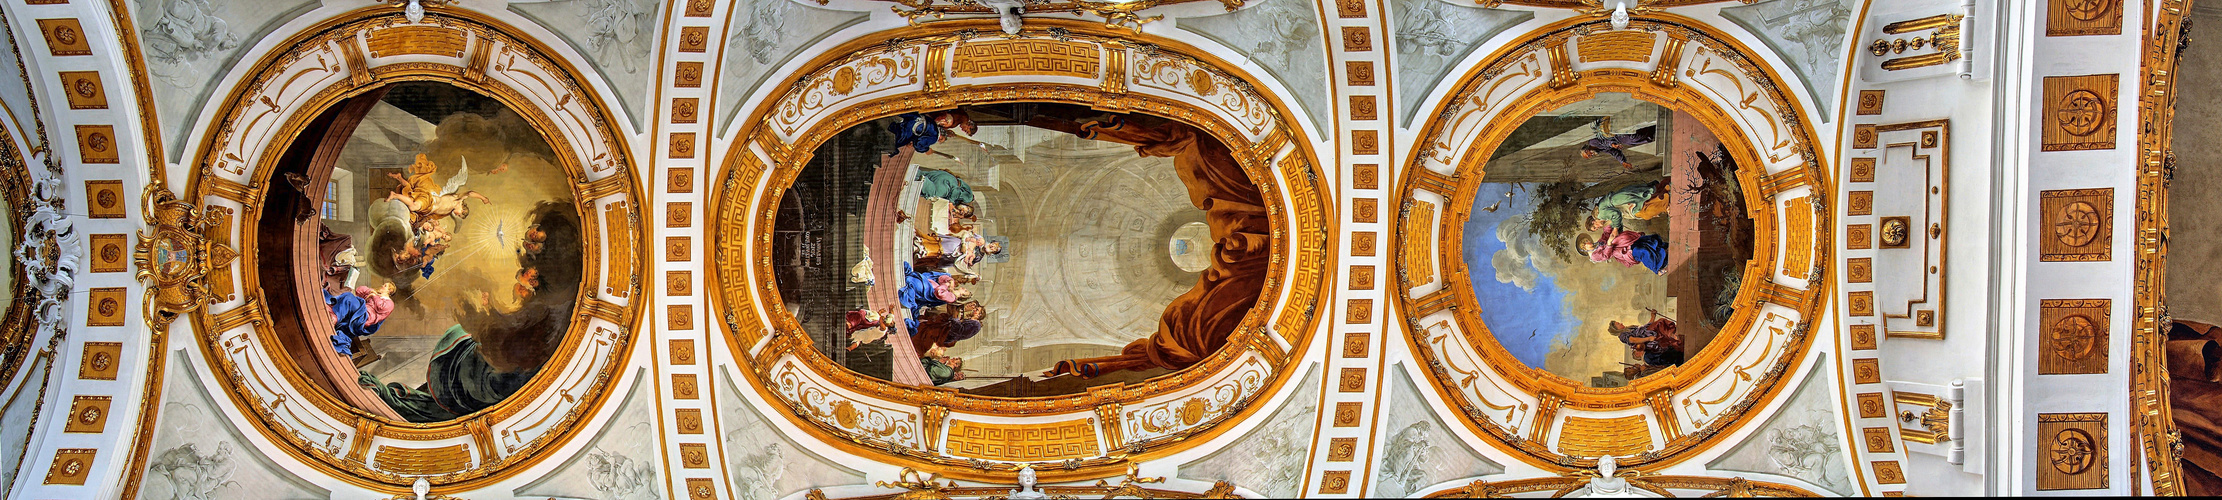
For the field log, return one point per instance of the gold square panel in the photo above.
(100, 361)
(1863, 337)
(2072, 451)
(1860, 203)
(1348, 9)
(2078, 225)
(97, 144)
(71, 466)
(106, 199)
(680, 317)
(1335, 482)
(1864, 136)
(1342, 449)
(1859, 270)
(1365, 210)
(683, 386)
(2079, 112)
(111, 253)
(682, 352)
(1867, 371)
(1870, 102)
(1357, 39)
(679, 249)
(65, 37)
(82, 90)
(1860, 303)
(1364, 107)
(1889, 472)
(1347, 413)
(689, 420)
(1356, 344)
(1366, 175)
(2074, 336)
(1362, 243)
(685, 109)
(105, 307)
(1360, 73)
(682, 145)
(679, 214)
(694, 39)
(1365, 142)
(1878, 440)
(699, 8)
(1897, 232)
(679, 180)
(1360, 312)
(694, 455)
(1872, 405)
(678, 283)
(1361, 277)
(2083, 17)
(1859, 236)
(87, 414)
(1863, 170)
(1352, 380)
(701, 488)
(689, 75)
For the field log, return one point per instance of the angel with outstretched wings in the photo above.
(428, 203)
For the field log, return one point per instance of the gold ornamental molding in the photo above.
(175, 260)
(1696, 405)
(1664, 486)
(943, 65)
(43, 253)
(204, 262)
(2160, 443)
(914, 485)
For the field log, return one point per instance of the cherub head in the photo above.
(956, 119)
(992, 248)
(535, 239)
(961, 210)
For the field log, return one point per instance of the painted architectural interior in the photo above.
(1030, 249)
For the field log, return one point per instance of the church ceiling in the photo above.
(825, 249)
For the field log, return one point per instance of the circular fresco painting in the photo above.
(1020, 249)
(1607, 240)
(449, 251)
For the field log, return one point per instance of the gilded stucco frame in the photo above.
(776, 355)
(1667, 79)
(2158, 442)
(354, 72)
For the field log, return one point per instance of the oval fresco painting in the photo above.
(449, 253)
(1021, 249)
(1607, 240)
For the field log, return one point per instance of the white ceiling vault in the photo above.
(1960, 212)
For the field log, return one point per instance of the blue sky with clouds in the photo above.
(1523, 306)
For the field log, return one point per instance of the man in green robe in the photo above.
(936, 183)
(1641, 201)
(943, 369)
(458, 382)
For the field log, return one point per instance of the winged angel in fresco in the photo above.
(428, 205)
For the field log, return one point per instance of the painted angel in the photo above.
(427, 202)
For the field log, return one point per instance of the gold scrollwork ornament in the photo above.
(174, 261)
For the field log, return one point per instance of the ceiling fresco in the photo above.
(1030, 249)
